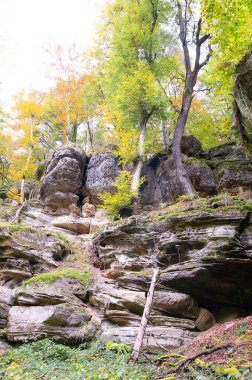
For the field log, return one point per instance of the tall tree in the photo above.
(190, 34)
(140, 52)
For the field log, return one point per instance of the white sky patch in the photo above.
(25, 27)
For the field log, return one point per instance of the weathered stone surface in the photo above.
(88, 210)
(208, 254)
(125, 318)
(174, 303)
(6, 300)
(64, 322)
(160, 184)
(25, 253)
(6, 295)
(202, 177)
(225, 152)
(71, 223)
(191, 146)
(235, 177)
(205, 320)
(107, 296)
(39, 294)
(155, 336)
(101, 173)
(4, 310)
(213, 281)
(64, 180)
(243, 99)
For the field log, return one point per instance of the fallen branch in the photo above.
(16, 217)
(145, 318)
(191, 358)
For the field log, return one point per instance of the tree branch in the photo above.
(191, 358)
(183, 38)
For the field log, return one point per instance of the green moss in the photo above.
(159, 218)
(17, 227)
(83, 276)
(61, 237)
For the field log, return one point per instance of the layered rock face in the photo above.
(205, 262)
(243, 99)
(53, 307)
(63, 181)
(221, 169)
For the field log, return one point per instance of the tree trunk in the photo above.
(182, 176)
(165, 135)
(90, 135)
(139, 165)
(73, 133)
(22, 186)
(145, 318)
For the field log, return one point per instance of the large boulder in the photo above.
(63, 182)
(191, 146)
(64, 323)
(243, 99)
(102, 171)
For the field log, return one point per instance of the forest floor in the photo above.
(231, 359)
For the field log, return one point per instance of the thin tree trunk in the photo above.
(138, 168)
(183, 19)
(165, 135)
(90, 134)
(182, 176)
(22, 186)
(73, 134)
(145, 318)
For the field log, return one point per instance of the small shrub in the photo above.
(243, 328)
(13, 194)
(122, 198)
(119, 348)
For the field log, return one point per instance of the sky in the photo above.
(25, 28)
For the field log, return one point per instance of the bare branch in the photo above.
(210, 51)
(183, 37)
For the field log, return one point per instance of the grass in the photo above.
(83, 276)
(45, 359)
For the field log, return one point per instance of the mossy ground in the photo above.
(51, 361)
(185, 205)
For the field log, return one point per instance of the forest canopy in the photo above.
(157, 70)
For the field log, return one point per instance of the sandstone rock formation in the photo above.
(206, 261)
(26, 252)
(221, 169)
(63, 181)
(101, 173)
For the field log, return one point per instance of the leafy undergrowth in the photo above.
(232, 359)
(51, 361)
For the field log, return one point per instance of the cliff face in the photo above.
(58, 280)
